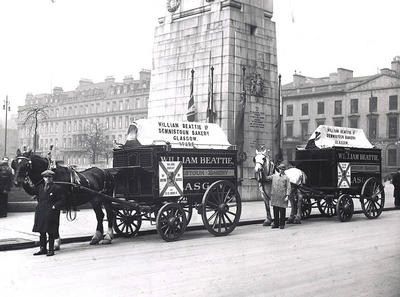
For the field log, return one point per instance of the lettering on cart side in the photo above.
(196, 186)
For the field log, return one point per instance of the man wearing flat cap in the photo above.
(280, 191)
(47, 213)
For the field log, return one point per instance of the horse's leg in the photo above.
(98, 236)
(293, 206)
(267, 200)
(110, 219)
(57, 241)
(297, 219)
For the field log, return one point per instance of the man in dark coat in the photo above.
(396, 192)
(5, 185)
(47, 214)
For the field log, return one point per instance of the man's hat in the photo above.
(47, 173)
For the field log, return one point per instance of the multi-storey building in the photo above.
(110, 103)
(368, 102)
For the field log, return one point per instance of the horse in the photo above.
(28, 168)
(264, 167)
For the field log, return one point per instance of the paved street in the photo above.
(321, 257)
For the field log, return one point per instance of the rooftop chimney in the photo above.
(344, 74)
(110, 79)
(83, 82)
(298, 79)
(128, 79)
(396, 65)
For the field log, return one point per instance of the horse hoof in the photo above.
(267, 223)
(105, 241)
(94, 241)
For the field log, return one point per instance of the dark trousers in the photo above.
(3, 203)
(279, 216)
(43, 241)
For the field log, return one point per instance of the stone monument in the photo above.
(237, 38)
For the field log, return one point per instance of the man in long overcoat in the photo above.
(396, 192)
(280, 191)
(47, 214)
(5, 185)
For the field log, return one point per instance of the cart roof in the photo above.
(330, 136)
(178, 134)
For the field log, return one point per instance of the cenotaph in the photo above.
(237, 38)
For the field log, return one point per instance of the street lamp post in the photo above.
(6, 107)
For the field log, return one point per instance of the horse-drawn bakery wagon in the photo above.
(341, 165)
(167, 169)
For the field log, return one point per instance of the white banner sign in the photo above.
(178, 134)
(330, 136)
(170, 177)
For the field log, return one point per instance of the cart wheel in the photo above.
(221, 209)
(171, 221)
(187, 208)
(372, 198)
(127, 222)
(327, 205)
(345, 208)
(305, 207)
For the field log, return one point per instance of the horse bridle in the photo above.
(29, 166)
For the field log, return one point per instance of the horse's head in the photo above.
(28, 165)
(22, 165)
(262, 163)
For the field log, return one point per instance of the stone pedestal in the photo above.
(227, 35)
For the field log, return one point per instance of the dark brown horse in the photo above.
(28, 168)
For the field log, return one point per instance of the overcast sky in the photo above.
(47, 43)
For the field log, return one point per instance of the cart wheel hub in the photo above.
(223, 208)
(172, 221)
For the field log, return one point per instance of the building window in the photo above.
(393, 102)
(338, 122)
(353, 122)
(289, 129)
(107, 123)
(304, 109)
(119, 122)
(108, 107)
(393, 123)
(354, 106)
(304, 131)
(372, 127)
(121, 105)
(392, 157)
(126, 121)
(373, 104)
(338, 107)
(321, 107)
(113, 123)
(289, 110)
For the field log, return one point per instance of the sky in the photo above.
(48, 43)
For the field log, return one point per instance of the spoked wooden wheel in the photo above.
(372, 198)
(221, 208)
(327, 205)
(127, 222)
(305, 207)
(187, 208)
(171, 221)
(345, 208)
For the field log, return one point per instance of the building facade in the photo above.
(370, 103)
(111, 104)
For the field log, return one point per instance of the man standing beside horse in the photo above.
(5, 185)
(47, 213)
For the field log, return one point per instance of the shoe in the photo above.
(274, 226)
(281, 227)
(40, 252)
(50, 253)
